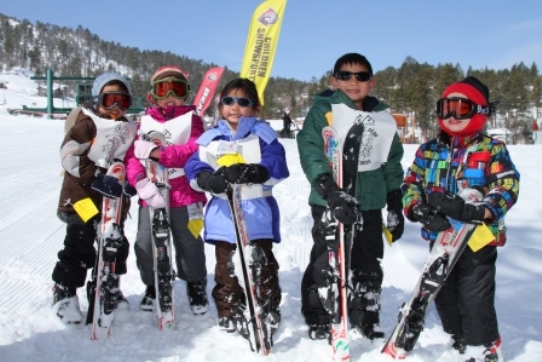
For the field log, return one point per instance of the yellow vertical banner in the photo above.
(263, 36)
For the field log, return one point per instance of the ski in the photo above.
(448, 247)
(351, 149)
(103, 289)
(259, 335)
(161, 236)
(343, 161)
(334, 296)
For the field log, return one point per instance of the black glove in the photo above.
(107, 185)
(396, 220)
(129, 190)
(212, 182)
(243, 173)
(428, 216)
(344, 207)
(455, 207)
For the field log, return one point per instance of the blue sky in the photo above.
(477, 33)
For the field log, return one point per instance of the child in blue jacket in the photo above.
(241, 149)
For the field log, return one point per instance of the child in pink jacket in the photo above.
(181, 126)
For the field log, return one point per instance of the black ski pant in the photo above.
(79, 253)
(228, 294)
(466, 302)
(189, 250)
(366, 252)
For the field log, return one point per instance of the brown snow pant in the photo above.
(228, 293)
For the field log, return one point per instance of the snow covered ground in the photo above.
(31, 235)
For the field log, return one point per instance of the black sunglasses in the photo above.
(360, 76)
(242, 102)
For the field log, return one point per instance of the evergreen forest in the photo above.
(412, 89)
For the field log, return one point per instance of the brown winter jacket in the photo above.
(80, 170)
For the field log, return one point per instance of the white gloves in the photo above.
(148, 192)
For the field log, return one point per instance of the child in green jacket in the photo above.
(378, 181)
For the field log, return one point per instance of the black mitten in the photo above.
(129, 190)
(242, 173)
(454, 206)
(344, 207)
(432, 220)
(107, 185)
(212, 182)
(395, 220)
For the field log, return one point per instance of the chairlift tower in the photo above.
(50, 110)
(83, 94)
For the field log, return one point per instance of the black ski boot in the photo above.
(492, 351)
(319, 331)
(368, 331)
(66, 304)
(149, 299)
(120, 301)
(197, 297)
(227, 324)
(319, 326)
(459, 343)
(272, 319)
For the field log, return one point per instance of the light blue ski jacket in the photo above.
(255, 142)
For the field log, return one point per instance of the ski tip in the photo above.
(100, 333)
(341, 350)
(168, 324)
(391, 350)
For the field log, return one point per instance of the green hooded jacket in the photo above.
(372, 186)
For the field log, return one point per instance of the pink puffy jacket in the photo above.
(180, 194)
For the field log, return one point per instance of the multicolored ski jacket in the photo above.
(479, 161)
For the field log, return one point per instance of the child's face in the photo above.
(170, 100)
(116, 112)
(452, 124)
(355, 89)
(232, 113)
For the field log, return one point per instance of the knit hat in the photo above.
(169, 71)
(105, 78)
(476, 92)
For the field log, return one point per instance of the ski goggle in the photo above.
(163, 88)
(242, 102)
(109, 100)
(459, 108)
(360, 76)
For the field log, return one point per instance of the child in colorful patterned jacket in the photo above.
(460, 158)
